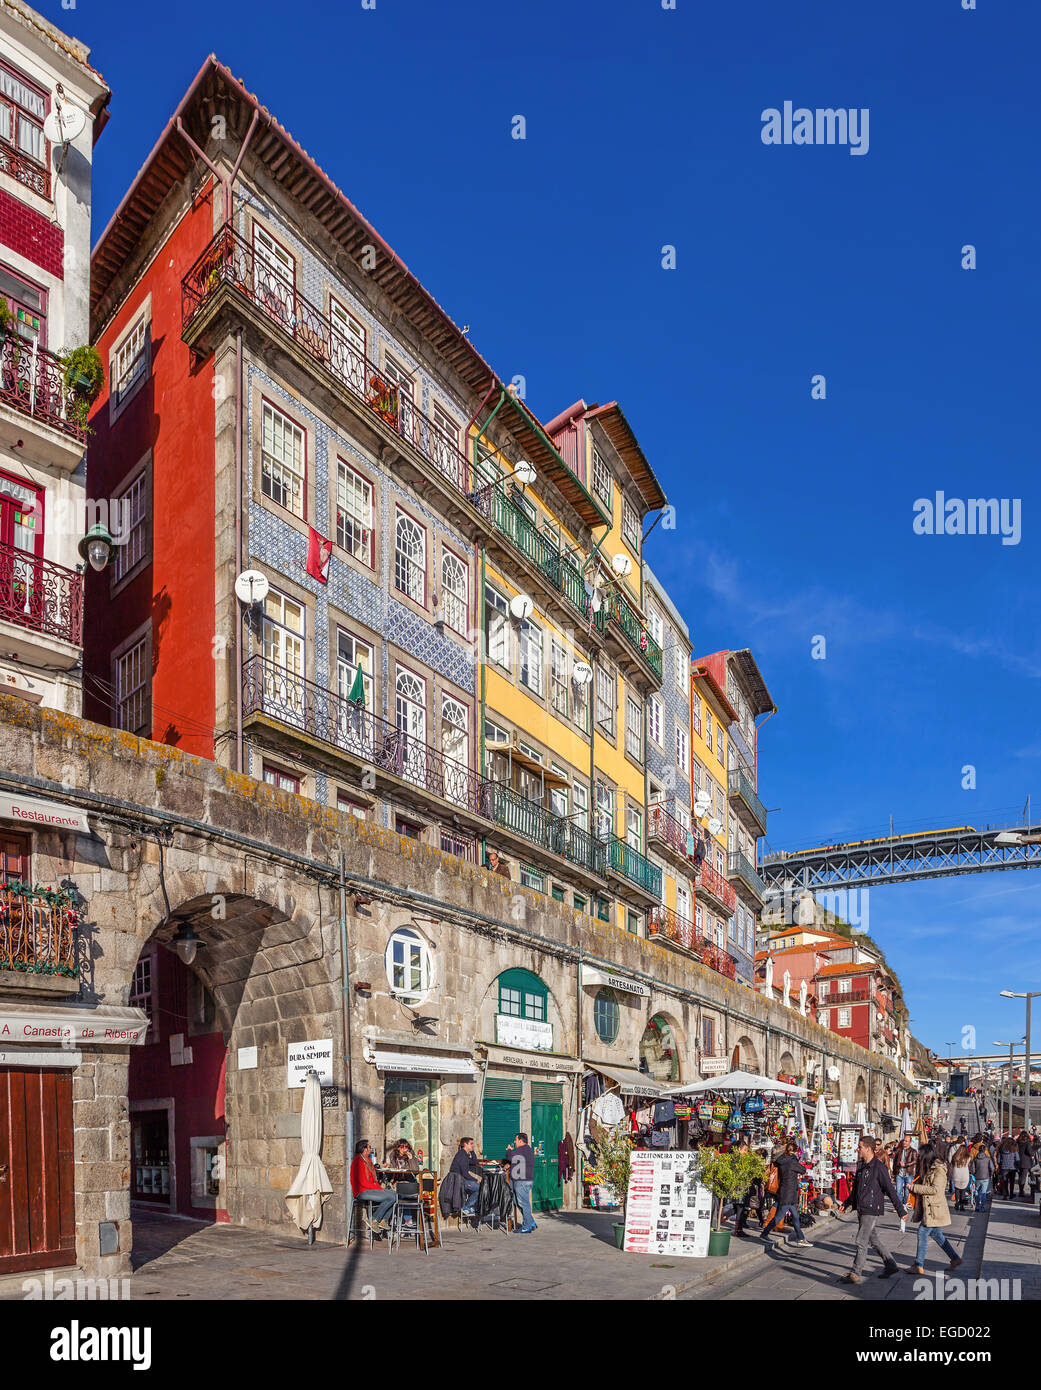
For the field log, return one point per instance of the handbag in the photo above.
(659, 1138)
(773, 1182)
(664, 1112)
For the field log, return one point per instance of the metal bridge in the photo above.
(901, 858)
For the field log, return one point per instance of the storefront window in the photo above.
(659, 1055)
(605, 1015)
(410, 1111)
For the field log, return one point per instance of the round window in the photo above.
(605, 1015)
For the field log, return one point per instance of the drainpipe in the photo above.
(239, 664)
(480, 721)
(348, 1090)
(755, 745)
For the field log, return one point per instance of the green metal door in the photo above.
(500, 1116)
(547, 1130)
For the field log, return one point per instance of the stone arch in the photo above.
(860, 1092)
(488, 994)
(747, 1056)
(661, 1047)
(786, 1063)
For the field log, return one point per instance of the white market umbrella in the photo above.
(860, 1114)
(843, 1113)
(905, 1120)
(820, 1114)
(737, 1081)
(311, 1188)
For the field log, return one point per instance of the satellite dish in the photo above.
(715, 825)
(582, 674)
(524, 473)
(622, 565)
(251, 587)
(702, 802)
(63, 123)
(521, 607)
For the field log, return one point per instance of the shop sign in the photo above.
(423, 1062)
(37, 1057)
(533, 1061)
(592, 976)
(28, 811)
(303, 1057)
(668, 1212)
(68, 1027)
(523, 1032)
(713, 1066)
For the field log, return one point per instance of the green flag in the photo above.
(356, 695)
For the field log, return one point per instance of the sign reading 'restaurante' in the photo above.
(27, 811)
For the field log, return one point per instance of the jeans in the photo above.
(381, 1201)
(522, 1196)
(982, 1188)
(868, 1235)
(924, 1232)
(471, 1186)
(903, 1187)
(789, 1209)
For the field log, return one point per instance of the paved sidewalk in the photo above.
(1013, 1248)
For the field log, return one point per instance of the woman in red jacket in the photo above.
(366, 1186)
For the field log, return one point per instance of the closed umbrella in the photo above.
(311, 1188)
(905, 1120)
(860, 1114)
(843, 1112)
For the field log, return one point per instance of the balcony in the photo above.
(303, 711)
(856, 995)
(620, 612)
(739, 867)
(43, 600)
(557, 572)
(668, 926)
(556, 835)
(635, 867)
(32, 383)
(37, 940)
(747, 805)
(710, 883)
(24, 169)
(669, 837)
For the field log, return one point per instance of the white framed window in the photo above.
(682, 747)
(720, 757)
(284, 632)
(633, 728)
(655, 713)
(132, 509)
(602, 482)
(401, 379)
(22, 111)
(634, 827)
(656, 625)
(683, 901)
(559, 800)
(631, 528)
(410, 558)
(606, 700)
(444, 442)
(580, 798)
(824, 1017)
(275, 268)
(410, 717)
(142, 991)
(133, 685)
(354, 729)
(531, 656)
(131, 360)
(531, 878)
(496, 627)
(354, 529)
(695, 713)
(558, 678)
(455, 745)
(580, 705)
(708, 728)
(681, 667)
(283, 462)
(698, 918)
(844, 986)
(409, 966)
(843, 1018)
(604, 811)
(347, 341)
(454, 592)
(695, 775)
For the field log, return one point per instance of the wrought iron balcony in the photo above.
(741, 868)
(40, 595)
(557, 835)
(528, 541)
(230, 260)
(717, 959)
(857, 994)
(742, 791)
(667, 830)
(634, 866)
(710, 881)
(26, 170)
(664, 921)
(37, 931)
(32, 381)
(303, 707)
(619, 611)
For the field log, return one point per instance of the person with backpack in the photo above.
(1008, 1167)
(930, 1188)
(872, 1184)
(983, 1171)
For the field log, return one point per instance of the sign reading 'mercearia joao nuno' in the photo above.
(667, 1212)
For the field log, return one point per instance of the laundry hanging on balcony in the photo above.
(319, 552)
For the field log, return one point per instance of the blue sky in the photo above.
(794, 515)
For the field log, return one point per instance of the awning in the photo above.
(26, 810)
(425, 1062)
(592, 975)
(519, 758)
(632, 1082)
(60, 1027)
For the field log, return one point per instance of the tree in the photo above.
(728, 1176)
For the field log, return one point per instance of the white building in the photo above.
(47, 90)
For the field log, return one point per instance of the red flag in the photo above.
(318, 552)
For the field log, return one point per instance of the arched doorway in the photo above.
(860, 1092)
(786, 1064)
(659, 1050)
(746, 1055)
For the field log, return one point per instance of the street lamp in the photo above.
(1035, 994)
(1008, 1117)
(96, 546)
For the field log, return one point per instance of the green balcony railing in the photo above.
(557, 835)
(740, 785)
(634, 866)
(635, 631)
(528, 541)
(740, 866)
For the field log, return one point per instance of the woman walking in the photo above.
(930, 1188)
(1008, 1167)
(960, 1177)
(983, 1172)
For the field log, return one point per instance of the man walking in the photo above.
(905, 1165)
(871, 1186)
(522, 1177)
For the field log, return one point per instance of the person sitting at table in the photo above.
(366, 1186)
(402, 1155)
(466, 1166)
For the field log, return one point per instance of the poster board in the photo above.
(668, 1211)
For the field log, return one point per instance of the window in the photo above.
(399, 377)
(523, 995)
(352, 655)
(602, 483)
(708, 1036)
(275, 272)
(347, 341)
(410, 558)
(655, 711)
(606, 700)
(282, 461)
(634, 828)
(681, 666)
(349, 807)
(459, 844)
(354, 529)
(132, 511)
(284, 781)
(720, 758)
(407, 828)
(632, 923)
(844, 986)
(843, 1019)
(454, 592)
(606, 1017)
(683, 901)
(698, 917)
(558, 797)
(581, 904)
(27, 303)
(444, 443)
(141, 991)
(284, 633)
(496, 627)
(631, 528)
(730, 928)
(558, 679)
(633, 729)
(708, 728)
(558, 893)
(721, 863)
(134, 688)
(580, 705)
(604, 811)
(824, 1018)
(408, 965)
(455, 745)
(131, 360)
(655, 625)
(531, 878)
(695, 775)
(531, 656)
(551, 531)
(603, 909)
(695, 713)
(22, 111)
(410, 715)
(580, 796)
(682, 747)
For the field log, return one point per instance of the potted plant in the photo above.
(84, 373)
(727, 1176)
(6, 317)
(614, 1149)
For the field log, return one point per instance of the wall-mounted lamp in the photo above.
(96, 546)
(186, 943)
